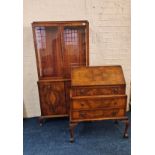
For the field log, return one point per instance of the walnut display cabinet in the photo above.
(59, 46)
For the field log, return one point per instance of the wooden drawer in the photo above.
(97, 102)
(100, 90)
(97, 114)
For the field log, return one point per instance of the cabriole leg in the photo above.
(71, 128)
(116, 121)
(126, 128)
(41, 121)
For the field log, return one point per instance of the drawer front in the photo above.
(96, 114)
(105, 90)
(99, 102)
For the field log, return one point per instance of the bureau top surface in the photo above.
(97, 75)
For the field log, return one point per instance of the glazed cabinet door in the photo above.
(48, 51)
(74, 47)
(59, 48)
(52, 98)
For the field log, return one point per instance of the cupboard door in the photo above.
(48, 51)
(52, 98)
(74, 47)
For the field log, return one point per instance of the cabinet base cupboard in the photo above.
(59, 46)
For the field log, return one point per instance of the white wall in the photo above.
(109, 37)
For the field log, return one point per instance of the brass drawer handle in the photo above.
(82, 91)
(114, 113)
(115, 90)
(82, 114)
(115, 103)
(48, 86)
(82, 104)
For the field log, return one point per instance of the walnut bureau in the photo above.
(97, 93)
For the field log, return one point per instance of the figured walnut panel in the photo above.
(97, 75)
(95, 114)
(98, 103)
(101, 90)
(52, 98)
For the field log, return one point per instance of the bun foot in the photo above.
(126, 128)
(71, 140)
(116, 121)
(41, 121)
(71, 128)
(125, 135)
